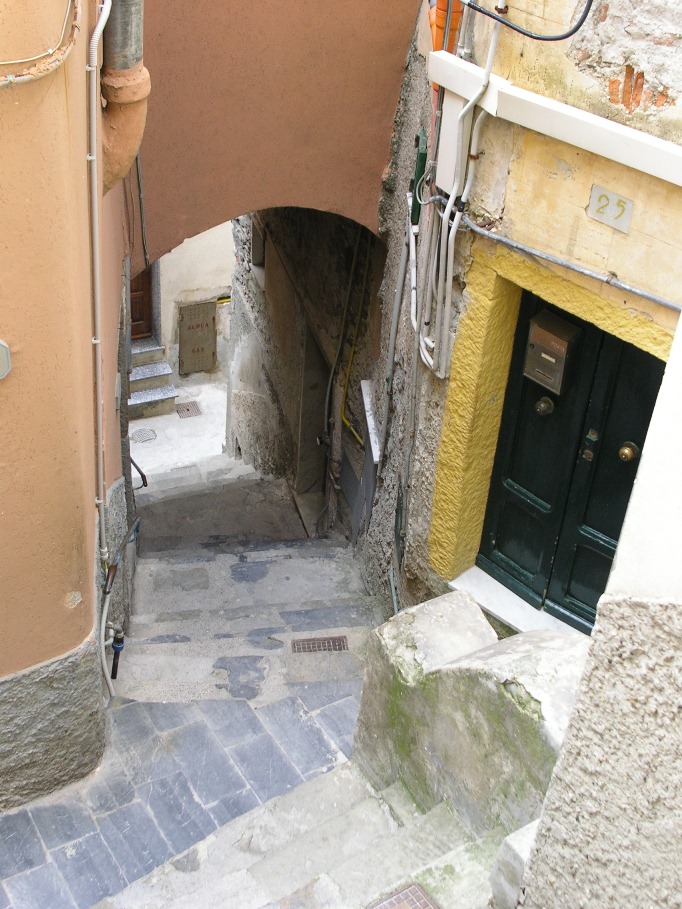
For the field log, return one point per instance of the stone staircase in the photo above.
(334, 843)
(416, 779)
(151, 393)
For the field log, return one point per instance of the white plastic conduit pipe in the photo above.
(452, 239)
(93, 97)
(457, 188)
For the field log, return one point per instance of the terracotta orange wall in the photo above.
(256, 105)
(47, 478)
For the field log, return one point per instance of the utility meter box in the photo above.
(551, 350)
(197, 337)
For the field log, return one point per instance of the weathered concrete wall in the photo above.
(312, 259)
(262, 106)
(414, 111)
(52, 725)
(199, 269)
(455, 714)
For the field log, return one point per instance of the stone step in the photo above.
(146, 350)
(333, 843)
(150, 375)
(153, 402)
(193, 479)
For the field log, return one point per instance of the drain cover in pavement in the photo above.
(190, 409)
(319, 645)
(410, 897)
(143, 435)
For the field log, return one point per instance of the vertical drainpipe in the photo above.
(125, 87)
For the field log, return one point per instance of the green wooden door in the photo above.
(561, 483)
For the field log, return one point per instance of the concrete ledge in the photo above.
(503, 604)
(52, 723)
(507, 873)
(455, 716)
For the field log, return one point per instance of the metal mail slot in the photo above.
(552, 344)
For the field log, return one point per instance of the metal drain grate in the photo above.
(190, 409)
(320, 645)
(143, 435)
(410, 897)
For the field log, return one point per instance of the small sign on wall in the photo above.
(197, 334)
(610, 208)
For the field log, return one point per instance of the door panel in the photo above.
(622, 401)
(560, 486)
(141, 305)
(534, 463)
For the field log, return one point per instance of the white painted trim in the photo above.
(622, 144)
(503, 604)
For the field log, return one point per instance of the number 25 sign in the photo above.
(610, 208)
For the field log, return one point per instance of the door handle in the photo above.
(544, 407)
(628, 451)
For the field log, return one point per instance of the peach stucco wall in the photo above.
(256, 105)
(47, 448)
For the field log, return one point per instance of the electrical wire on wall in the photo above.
(435, 304)
(526, 32)
(47, 61)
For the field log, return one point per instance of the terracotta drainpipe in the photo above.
(125, 88)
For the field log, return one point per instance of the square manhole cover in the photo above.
(410, 897)
(320, 645)
(190, 409)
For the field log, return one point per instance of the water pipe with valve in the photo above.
(117, 642)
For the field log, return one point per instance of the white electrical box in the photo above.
(452, 141)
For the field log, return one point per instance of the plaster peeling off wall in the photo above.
(633, 49)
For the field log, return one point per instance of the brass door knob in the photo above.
(628, 451)
(544, 407)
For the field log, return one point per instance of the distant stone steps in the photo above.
(151, 394)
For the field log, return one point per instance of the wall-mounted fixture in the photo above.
(5, 360)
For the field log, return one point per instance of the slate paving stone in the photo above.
(318, 694)
(145, 754)
(265, 767)
(135, 840)
(4, 899)
(171, 714)
(245, 675)
(298, 735)
(20, 846)
(232, 721)
(42, 888)
(266, 638)
(180, 817)
(339, 721)
(205, 763)
(89, 869)
(109, 787)
(325, 617)
(62, 822)
(233, 806)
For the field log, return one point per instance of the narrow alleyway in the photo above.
(216, 711)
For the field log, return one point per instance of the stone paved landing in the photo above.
(173, 774)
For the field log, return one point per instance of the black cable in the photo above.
(522, 31)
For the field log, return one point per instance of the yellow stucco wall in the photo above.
(478, 378)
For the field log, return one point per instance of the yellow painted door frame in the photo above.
(478, 380)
